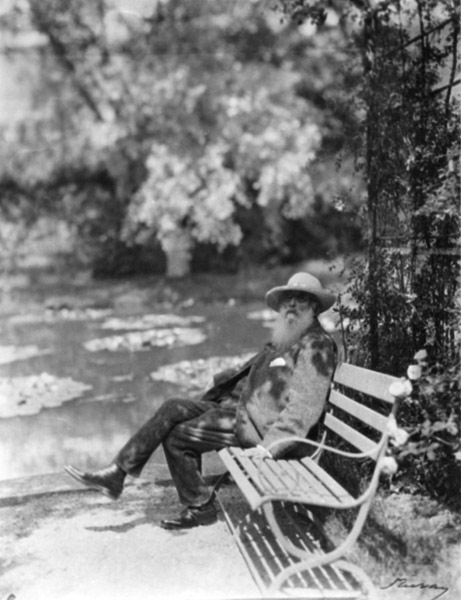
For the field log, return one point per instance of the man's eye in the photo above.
(299, 299)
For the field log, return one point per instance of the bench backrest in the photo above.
(361, 405)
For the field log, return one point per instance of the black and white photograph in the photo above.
(230, 304)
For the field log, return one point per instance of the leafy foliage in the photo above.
(225, 94)
(195, 197)
(433, 416)
(413, 193)
(262, 158)
(405, 295)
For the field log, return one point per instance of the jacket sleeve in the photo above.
(225, 381)
(307, 394)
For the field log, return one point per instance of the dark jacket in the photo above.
(280, 394)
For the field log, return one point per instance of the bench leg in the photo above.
(368, 589)
(221, 479)
(371, 593)
(307, 560)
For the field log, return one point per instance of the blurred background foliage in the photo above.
(206, 126)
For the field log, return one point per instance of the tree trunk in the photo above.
(177, 246)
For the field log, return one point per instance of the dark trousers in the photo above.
(187, 429)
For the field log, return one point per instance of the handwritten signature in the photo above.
(402, 582)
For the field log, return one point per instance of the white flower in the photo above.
(401, 437)
(398, 436)
(414, 372)
(421, 358)
(388, 465)
(401, 389)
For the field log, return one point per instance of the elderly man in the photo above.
(281, 392)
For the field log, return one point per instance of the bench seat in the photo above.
(301, 481)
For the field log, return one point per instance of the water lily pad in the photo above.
(28, 395)
(113, 398)
(266, 314)
(9, 354)
(151, 321)
(52, 315)
(198, 374)
(120, 378)
(143, 340)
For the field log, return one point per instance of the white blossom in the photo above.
(398, 436)
(388, 465)
(414, 372)
(401, 389)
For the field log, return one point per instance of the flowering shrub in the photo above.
(185, 199)
(266, 147)
(431, 459)
(273, 141)
(277, 159)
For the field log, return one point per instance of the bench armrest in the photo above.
(373, 453)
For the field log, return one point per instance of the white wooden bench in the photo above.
(281, 537)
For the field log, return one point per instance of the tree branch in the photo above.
(59, 50)
(454, 66)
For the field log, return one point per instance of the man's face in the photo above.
(297, 306)
(297, 312)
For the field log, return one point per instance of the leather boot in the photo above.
(109, 481)
(192, 517)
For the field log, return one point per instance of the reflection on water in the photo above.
(89, 430)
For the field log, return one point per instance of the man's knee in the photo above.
(174, 406)
(172, 403)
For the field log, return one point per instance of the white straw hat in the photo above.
(301, 282)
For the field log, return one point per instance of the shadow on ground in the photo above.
(75, 544)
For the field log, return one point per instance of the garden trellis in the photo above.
(411, 150)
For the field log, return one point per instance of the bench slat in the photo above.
(268, 480)
(278, 468)
(271, 561)
(311, 482)
(304, 482)
(365, 414)
(360, 441)
(263, 479)
(234, 468)
(332, 485)
(366, 381)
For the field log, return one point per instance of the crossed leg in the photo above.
(185, 444)
(187, 429)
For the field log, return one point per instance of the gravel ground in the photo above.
(77, 544)
(59, 541)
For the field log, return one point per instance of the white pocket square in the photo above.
(278, 362)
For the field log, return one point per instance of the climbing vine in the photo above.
(403, 295)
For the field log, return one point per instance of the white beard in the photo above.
(288, 329)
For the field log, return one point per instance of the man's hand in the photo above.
(257, 452)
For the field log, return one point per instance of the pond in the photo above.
(78, 375)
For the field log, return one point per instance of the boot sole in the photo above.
(204, 523)
(92, 486)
